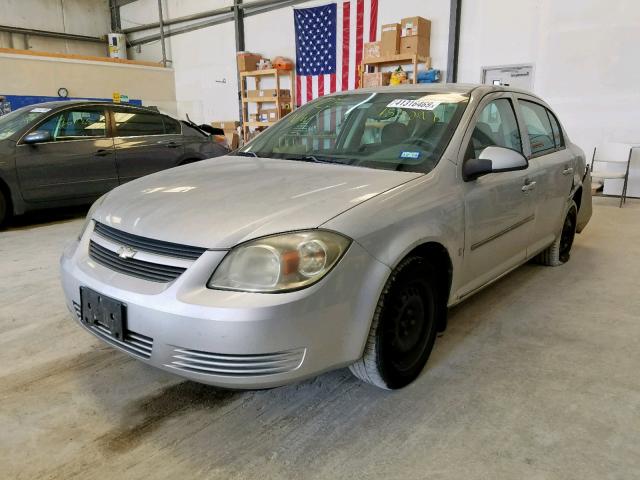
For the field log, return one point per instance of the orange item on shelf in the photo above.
(282, 63)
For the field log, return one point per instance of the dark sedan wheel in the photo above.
(5, 211)
(404, 327)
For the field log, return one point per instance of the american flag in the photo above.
(329, 46)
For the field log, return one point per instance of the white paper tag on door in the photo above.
(413, 104)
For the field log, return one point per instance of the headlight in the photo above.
(93, 208)
(280, 263)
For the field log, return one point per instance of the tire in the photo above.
(5, 210)
(559, 252)
(404, 327)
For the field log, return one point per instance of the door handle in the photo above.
(567, 171)
(103, 153)
(172, 145)
(528, 186)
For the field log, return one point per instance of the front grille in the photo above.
(148, 244)
(78, 310)
(134, 343)
(236, 365)
(154, 272)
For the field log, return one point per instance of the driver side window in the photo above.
(75, 125)
(496, 126)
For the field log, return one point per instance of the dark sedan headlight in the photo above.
(280, 263)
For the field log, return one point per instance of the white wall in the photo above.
(80, 17)
(204, 58)
(31, 75)
(584, 52)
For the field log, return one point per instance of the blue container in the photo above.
(429, 76)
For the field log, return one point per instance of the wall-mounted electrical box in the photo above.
(519, 76)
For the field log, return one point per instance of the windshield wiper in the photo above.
(246, 154)
(308, 158)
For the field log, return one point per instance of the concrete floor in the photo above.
(537, 377)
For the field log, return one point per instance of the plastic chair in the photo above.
(611, 154)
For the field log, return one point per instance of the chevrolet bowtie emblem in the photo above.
(125, 252)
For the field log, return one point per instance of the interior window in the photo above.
(557, 132)
(538, 127)
(377, 130)
(133, 123)
(318, 131)
(75, 125)
(496, 126)
(171, 127)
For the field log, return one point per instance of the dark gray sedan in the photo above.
(71, 152)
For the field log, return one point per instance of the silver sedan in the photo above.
(338, 237)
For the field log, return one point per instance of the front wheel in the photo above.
(5, 210)
(560, 250)
(403, 329)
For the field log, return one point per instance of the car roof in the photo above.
(69, 103)
(461, 88)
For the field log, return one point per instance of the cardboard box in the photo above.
(390, 43)
(415, 44)
(413, 26)
(378, 79)
(271, 114)
(233, 139)
(227, 126)
(372, 50)
(248, 62)
(269, 92)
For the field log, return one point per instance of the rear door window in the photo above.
(557, 131)
(538, 126)
(171, 126)
(134, 123)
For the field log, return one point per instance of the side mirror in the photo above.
(39, 136)
(493, 160)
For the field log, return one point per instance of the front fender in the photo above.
(9, 176)
(396, 222)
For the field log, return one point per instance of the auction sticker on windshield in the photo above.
(40, 110)
(413, 104)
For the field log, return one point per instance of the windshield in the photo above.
(391, 131)
(20, 118)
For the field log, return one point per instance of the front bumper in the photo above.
(235, 339)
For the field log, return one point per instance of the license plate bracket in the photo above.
(102, 311)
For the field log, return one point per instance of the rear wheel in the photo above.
(560, 250)
(403, 329)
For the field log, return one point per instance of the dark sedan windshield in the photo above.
(20, 118)
(390, 131)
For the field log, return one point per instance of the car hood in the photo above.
(221, 202)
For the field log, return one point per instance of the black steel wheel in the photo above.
(567, 235)
(559, 252)
(404, 327)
